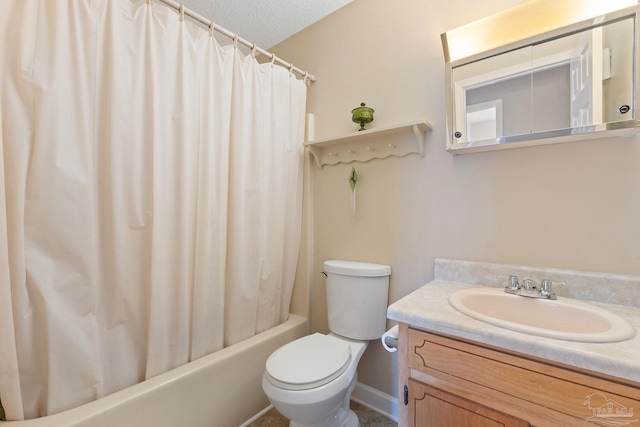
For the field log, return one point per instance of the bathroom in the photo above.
(570, 205)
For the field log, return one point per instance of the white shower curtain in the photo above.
(150, 197)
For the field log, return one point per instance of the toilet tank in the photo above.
(357, 295)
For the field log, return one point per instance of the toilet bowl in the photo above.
(314, 393)
(310, 380)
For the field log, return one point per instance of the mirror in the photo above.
(569, 84)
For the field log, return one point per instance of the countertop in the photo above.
(428, 308)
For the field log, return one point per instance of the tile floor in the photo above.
(367, 417)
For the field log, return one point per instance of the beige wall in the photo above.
(573, 205)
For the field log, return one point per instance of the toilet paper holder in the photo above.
(391, 341)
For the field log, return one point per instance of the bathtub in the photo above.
(222, 389)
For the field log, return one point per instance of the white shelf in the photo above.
(363, 146)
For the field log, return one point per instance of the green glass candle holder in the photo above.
(362, 115)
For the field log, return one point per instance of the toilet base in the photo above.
(352, 420)
(343, 418)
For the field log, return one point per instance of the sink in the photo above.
(564, 318)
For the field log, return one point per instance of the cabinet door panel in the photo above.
(431, 407)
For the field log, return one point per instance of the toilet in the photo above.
(310, 380)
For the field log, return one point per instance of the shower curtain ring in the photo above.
(212, 26)
(181, 12)
(273, 59)
(254, 49)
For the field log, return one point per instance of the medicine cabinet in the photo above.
(575, 82)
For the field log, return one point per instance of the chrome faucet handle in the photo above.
(513, 287)
(546, 290)
(513, 281)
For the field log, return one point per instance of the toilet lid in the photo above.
(308, 362)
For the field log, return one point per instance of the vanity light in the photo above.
(523, 21)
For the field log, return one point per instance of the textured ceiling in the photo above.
(264, 22)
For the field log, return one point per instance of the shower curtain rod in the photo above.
(183, 10)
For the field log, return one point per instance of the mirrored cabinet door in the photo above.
(492, 97)
(594, 81)
(618, 82)
(565, 85)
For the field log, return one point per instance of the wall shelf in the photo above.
(371, 144)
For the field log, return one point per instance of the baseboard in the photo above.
(376, 400)
(256, 416)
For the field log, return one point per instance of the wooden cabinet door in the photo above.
(431, 407)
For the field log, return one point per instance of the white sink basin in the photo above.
(564, 319)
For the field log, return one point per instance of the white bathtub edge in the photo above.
(106, 412)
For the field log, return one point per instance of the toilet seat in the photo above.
(308, 362)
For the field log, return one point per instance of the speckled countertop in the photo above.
(428, 308)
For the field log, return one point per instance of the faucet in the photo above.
(529, 288)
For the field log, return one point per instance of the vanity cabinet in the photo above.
(456, 382)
